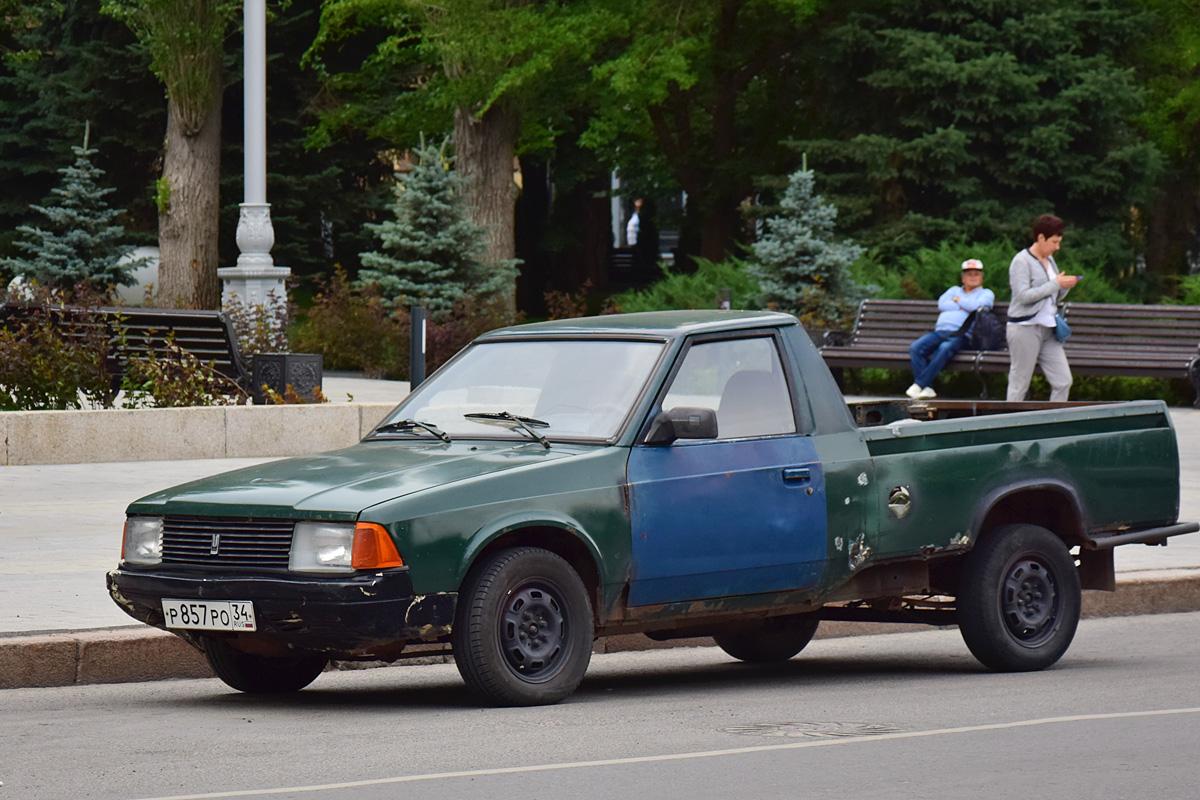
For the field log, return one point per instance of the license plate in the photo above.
(210, 615)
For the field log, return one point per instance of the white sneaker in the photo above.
(927, 393)
(913, 391)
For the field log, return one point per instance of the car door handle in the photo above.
(796, 474)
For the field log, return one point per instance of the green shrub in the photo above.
(55, 357)
(354, 331)
(1189, 290)
(43, 368)
(703, 288)
(176, 378)
(968, 386)
(928, 272)
(51, 359)
(261, 327)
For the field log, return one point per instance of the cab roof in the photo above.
(668, 324)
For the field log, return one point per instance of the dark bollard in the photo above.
(416, 347)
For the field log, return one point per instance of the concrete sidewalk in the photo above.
(60, 531)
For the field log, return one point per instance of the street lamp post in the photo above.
(255, 277)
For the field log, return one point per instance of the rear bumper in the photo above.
(1148, 536)
(355, 616)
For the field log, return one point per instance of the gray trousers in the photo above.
(1036, 345)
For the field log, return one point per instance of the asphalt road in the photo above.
(894, 716)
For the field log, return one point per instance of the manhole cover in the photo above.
(816, 730)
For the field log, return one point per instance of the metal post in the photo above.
(416, 347)
(255, 277)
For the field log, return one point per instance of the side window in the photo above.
(742, 380)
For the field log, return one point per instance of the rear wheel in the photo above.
(262, 674)
(770, 640)
(523, 631)
(1019, 600)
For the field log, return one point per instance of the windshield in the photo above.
(578, 388)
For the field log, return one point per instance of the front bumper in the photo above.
(355, 616)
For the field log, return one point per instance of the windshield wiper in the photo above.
(408, 424)
(526, 424)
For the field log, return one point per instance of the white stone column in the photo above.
(255, 276)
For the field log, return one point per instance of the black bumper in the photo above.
(356, 616)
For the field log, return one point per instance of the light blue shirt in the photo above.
(956, 303)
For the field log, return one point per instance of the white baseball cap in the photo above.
(973, 263)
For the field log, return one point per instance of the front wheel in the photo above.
(523, 631)
(1019, 601)
(262, 674)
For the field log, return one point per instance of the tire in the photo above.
(772, 640)
(262, 674)
(523, 630)
(1019, 601)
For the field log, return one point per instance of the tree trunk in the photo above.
(485, 149)
(1172, 224)
(188, 220)
(584, 210)
(719, 228)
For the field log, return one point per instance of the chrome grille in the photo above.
(227, 541)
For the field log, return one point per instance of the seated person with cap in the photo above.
(935, 349)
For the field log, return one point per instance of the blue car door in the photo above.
(740, 514)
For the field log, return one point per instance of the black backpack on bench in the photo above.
(987, 333)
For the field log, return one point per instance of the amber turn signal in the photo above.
(373, 548)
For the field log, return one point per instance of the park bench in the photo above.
(208, 335)
(1149, 341)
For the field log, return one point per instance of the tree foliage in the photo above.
(697, 97)
(1168, 60)
(81, 241)
(431, 251)
(74, 63)
(186, 43)
(966, 118)
(799, 262)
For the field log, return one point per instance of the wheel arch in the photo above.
(561, 537)
(1052, 504)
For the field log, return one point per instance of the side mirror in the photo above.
(683, 422)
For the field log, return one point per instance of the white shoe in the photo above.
(927, 393)
(913, 391)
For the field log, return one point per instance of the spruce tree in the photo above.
(800, 267)
(69, 70)
(81, 241)
(431, 250)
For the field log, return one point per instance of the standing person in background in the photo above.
(1037, 289)
(634, 225)
(935, 349)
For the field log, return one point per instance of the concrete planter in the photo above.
(277, 371)
(164, 434)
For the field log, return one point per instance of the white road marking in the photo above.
(616, 762)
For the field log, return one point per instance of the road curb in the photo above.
(124, 655)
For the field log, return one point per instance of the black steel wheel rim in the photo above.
(1030, 602)
(534, 632)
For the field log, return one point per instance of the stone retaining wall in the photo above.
(164, 434)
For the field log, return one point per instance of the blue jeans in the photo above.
(932, 352)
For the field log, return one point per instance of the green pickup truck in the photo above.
(677, 474)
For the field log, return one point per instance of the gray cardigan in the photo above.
(1030, 285)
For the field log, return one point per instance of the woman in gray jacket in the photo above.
(1037, 289)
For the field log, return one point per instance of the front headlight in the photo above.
(142, 544)
(322, 547)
